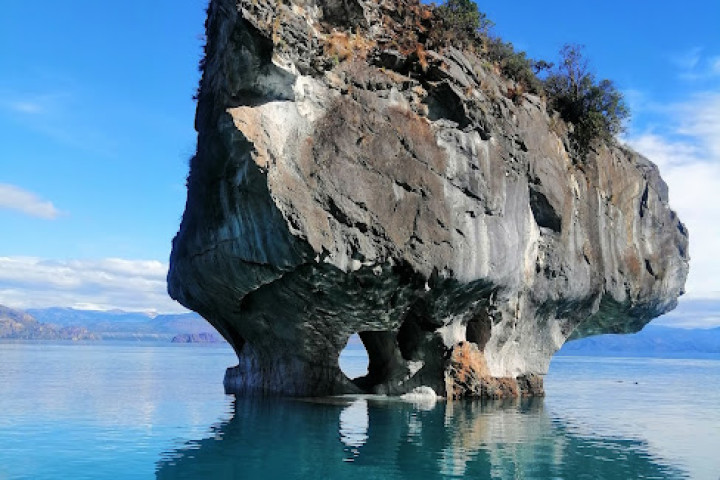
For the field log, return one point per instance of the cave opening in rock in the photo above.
(543, 211)
(354, 360)
(444, 103)
(479, 329)
(384, 361)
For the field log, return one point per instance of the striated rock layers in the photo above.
(352, 176)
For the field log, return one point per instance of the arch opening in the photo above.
(479, 329)
(354, 360)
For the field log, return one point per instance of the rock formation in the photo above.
(352, 177)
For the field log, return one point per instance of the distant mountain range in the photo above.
(68, 323)
(19, 325)
(652, 341)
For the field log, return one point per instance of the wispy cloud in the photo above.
(61, 115)
(688, 59)
(688, 154)
(28, 104)
(695, 64)
(715, 65)
(692, 314)
(699, 120)
(26, 107)
(111, 283)
(15, 198)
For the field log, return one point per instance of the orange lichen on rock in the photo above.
(470, 360)
(422, 57)
(468, 377)
(344, 46)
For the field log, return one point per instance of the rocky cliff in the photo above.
(353, 176)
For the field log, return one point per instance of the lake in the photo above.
(141, 410)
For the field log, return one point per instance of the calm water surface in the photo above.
(124, 410)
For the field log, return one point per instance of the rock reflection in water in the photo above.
(371, 437)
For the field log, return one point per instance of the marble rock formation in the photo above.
(353, 177)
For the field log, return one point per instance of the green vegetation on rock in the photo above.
(596, 110)
(463, 19)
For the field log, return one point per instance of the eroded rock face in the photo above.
(351, 176)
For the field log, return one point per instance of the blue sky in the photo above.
(96, 117)
(96, 129)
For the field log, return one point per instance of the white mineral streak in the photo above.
(453, 331)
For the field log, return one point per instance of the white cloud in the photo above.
(688, 59)
(61, 115)
(15, 198)
(692, 314)
(38, 104)
(696, 65)
(689, 159)
(700, 121)
(29, 107)
(106, 284)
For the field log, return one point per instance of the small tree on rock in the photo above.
(463, 19)
(596, 110)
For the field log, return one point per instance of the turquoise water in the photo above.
(142, 411)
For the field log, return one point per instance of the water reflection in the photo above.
(372, 437)
(354, 421)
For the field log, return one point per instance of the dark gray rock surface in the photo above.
(351, 178)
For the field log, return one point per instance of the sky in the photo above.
(96, 130)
